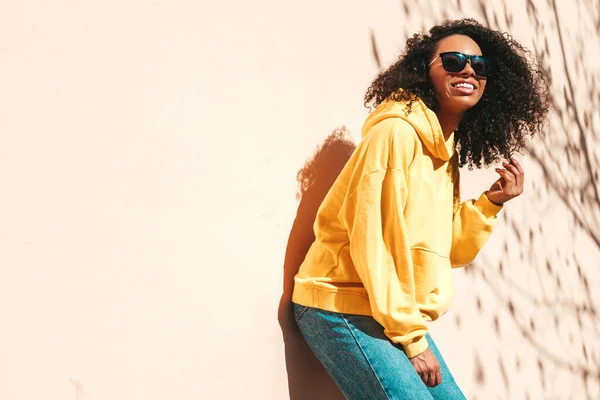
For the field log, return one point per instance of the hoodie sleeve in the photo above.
(472, 226)
(374, 215)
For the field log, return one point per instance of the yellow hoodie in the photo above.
(392, 227)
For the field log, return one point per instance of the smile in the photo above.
(464, 85)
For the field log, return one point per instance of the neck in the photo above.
(448, 122)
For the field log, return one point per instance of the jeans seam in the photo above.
(305, 309)
(364, 355)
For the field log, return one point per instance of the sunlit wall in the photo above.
(151, 217)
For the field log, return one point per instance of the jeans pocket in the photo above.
(299, 311)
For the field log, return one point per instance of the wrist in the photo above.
(496, 203)
(416, 348)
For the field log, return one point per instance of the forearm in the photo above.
(473, 224)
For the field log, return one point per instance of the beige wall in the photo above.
(148, 161)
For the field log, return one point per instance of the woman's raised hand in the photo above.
(509, 185)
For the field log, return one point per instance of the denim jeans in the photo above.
(363, 362)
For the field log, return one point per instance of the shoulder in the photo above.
(395, 129)
(393, 139)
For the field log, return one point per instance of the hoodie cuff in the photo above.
(486, 207)
(415, 348)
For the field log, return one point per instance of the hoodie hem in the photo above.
(331, 300)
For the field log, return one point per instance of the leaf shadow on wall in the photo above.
(307, 379)
(543, 311)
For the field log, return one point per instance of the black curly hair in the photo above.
(513, 106)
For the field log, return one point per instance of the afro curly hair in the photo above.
(514, 104)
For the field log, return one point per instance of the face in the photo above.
(452, 98)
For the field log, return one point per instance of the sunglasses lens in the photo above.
(480, 66)
(453, 62)
(456, 62)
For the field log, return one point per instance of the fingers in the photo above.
(521, 175)
(509, 185)
(425, 378)
(514, 177)
(508, 178)
(516, 172)
(506, 174)
(438, 377)
(513, 170)
(428, 378)
(431, 380)
(428, 368)
(516, 164)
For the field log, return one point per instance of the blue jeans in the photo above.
(363, 362)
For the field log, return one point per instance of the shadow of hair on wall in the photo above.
(307, 379)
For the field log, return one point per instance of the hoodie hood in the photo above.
(422, 119)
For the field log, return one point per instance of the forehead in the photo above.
(461, 43)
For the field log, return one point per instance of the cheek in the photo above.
(439, 85)
(482, 89)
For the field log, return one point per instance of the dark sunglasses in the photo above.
(453, 61)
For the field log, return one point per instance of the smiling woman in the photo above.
(515, 98)
(458, 78)
(392, 226)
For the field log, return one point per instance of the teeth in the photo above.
(465, 85)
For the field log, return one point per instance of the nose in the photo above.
(468, 70)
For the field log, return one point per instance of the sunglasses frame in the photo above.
(469, 59)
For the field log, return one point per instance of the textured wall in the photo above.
(151, 216)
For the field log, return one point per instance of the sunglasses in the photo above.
(453, 61)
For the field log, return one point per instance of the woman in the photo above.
(392, 226)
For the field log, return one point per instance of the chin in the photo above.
(464, 104)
